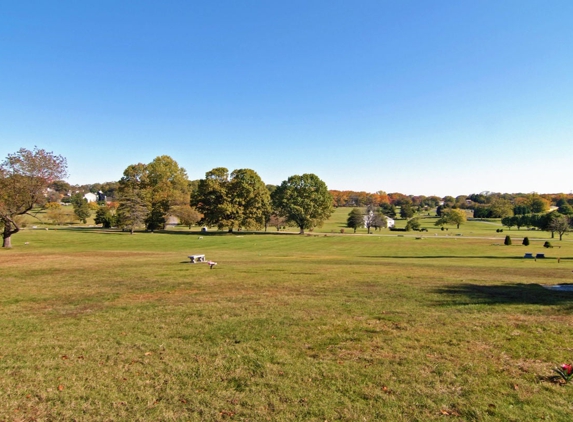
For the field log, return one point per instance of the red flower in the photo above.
(567, 368)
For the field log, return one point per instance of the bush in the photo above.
(507, 241)
(525, 241)
(547, 244)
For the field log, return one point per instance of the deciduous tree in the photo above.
(24, 176)
(451, 216)
(186, 214)
(413, 224)
(500, 208)
(238, 200)
(105, 216)
(303, 200)
(161, 184)
(250, 199)
(406, 211)
(560, 224)
(167, 186)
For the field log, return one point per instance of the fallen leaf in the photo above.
(148, 353)
(60, 387)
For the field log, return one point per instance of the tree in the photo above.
(211, 198)
(546, 222)
(521, 210)
(250, 199)
(508, 222)
(24, 176)
(454, 216)
(388, 209)
(105, 216)
(303, 200)
(161, 184)
(186, 214)
(132, 211)
(355, 219)
(167, 186)
(379, 221)
(413, 224)
(449, 201)
(81, 207)
(57, 216)
(522, 221)
(277, 221)
(482, 211)
(537, 204)
(240, 199)
(525, 241)
(560, 224)
(565, 209)
(406, 211)
(500, 208)
(507, 241)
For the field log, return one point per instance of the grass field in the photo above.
(102, 325)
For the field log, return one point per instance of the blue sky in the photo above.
(418, 97)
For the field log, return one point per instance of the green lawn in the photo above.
(102, 325)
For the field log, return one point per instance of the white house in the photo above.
(389, 221)
(90, 197)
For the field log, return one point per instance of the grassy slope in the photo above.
(103, 325)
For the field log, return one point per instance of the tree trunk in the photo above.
(8, 232)
(7, 241)
(301, 230)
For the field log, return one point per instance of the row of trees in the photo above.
(553, 222)
(148, 194)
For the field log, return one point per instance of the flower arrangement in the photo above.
(565, 371)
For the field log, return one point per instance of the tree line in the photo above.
(147, 195)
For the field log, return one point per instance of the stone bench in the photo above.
(196, 258)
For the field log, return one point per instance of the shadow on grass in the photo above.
(113, 231)
(449, 257)
(506, 294)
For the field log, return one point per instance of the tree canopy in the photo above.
(303, 200)
(24, 176)
(451, 216)
(160, 185)
(236, 200)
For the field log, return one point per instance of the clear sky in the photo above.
(419, 97)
